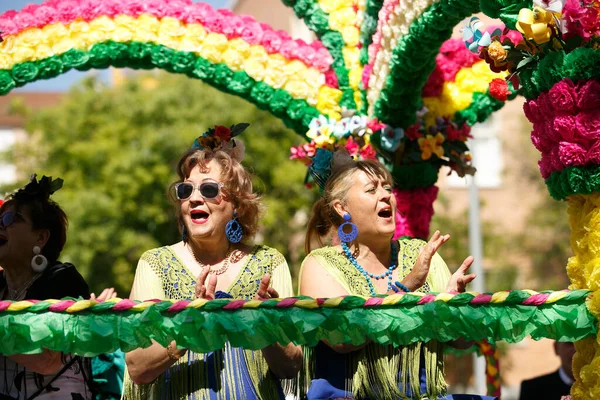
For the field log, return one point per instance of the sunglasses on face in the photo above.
(9, 217)
(208, 190)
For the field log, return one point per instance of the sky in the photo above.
(65, 81)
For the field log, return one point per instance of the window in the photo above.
(486, 150)
(8, 172)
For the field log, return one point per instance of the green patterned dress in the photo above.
(230, 373)
(375, 371)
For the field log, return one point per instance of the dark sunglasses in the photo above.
(208, 190)
(9, 217)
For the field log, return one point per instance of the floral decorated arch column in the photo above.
(557, 66)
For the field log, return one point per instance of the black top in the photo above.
(547, 387)
(58, 281)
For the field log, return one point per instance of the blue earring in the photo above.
(350, 236)
(233, 229)
(184, 235)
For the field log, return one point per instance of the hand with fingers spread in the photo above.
(418, 275)
(459, 280)
(264, 291)
(107, 294)
(206, 290)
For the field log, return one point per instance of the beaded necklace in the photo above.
(387, 274)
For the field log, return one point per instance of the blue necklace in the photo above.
(368, 276)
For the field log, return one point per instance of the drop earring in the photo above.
(233, 229)
(38, 262)
(350, 236)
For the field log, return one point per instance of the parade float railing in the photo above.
(88, 328)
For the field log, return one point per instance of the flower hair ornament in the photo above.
(41, 189)
(222, 138)
(326, 161)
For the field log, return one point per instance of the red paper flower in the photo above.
(222, 132)
(499, 89)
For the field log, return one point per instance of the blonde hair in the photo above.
(323, 216)
(238, 185)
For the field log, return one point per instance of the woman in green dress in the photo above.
(218, 215)
(359, 208)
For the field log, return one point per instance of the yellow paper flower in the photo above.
(55, 32)
(103, 23)
(536, 24)
(351, 35)
(329, 6)
(328, 102)
(126, 21)
(430, 145)
(341, 18)
(148, 22)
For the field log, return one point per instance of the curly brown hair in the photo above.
(238, 185)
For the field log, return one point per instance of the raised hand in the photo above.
(418, 275)
(459, 280)
(264, 291)
(106, 294)
(206, 290)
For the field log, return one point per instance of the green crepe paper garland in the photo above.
(100, 329)
(296, 114)
(574, 180)
(580, 64)
(318, 22)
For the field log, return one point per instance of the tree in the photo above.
(117, 147)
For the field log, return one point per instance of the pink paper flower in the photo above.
(565, 126)
(252, 32)
(271, 41)
(368, 153)
(331, 79)
(45, 15)
(545, 166)
(572, 154)
(593, 153)
(532, 111)
(588, 124)
(563, 96)
(589, 95)
(352, 146)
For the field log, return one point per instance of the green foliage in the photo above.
(117, 148)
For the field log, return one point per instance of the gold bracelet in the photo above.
(171, 352)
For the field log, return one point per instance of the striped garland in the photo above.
(296, 113)
(239, 44)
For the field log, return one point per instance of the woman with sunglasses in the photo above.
(33, 232)
(218, 215)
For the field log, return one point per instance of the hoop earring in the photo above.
(233, 229)
(38, 262)
(350, 236)
(184, 234)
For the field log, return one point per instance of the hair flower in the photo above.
(221, 138)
